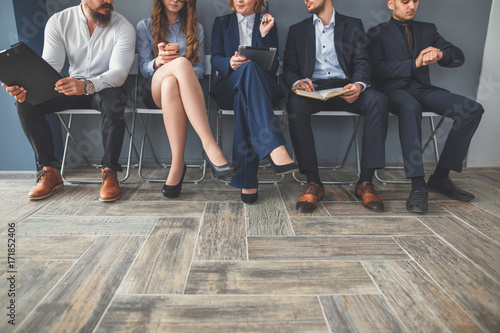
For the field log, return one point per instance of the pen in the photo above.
(314, 84)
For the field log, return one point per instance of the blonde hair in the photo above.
(259, 4)
(189, 26)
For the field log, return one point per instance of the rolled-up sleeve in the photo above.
(199, 67)
(145, 50)
(120, 61)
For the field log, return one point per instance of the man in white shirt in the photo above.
(99, 45)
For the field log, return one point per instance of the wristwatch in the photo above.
(89, 87)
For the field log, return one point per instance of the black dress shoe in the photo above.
(418, 200)
(173, 191)
(224, 171)
(249, 198)
(447, 187)
(283, 169)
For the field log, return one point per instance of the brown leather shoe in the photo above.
(309, 200)
(366, 191)
(47, 181)
(110, 190)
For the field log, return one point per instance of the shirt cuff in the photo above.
(363, 84)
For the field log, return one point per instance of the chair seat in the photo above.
(87, 111)
(148, 111)
(231, 112)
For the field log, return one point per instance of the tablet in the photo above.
(22, 66)
(263, 56)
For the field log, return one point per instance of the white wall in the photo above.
(485, 147)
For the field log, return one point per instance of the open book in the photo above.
(322, 95)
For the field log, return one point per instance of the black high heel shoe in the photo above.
(249, 198)
(224, 171)
(173, 191)
(284, 169)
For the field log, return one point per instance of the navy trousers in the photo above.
(251, 93)
(111, 102)
(371, 104)
(409, 103)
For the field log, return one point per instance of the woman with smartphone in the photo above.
(250, 91)
(172, 60)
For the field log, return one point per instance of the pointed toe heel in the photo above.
(224, 171)
(173, 191)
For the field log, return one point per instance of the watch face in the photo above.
(89, 87)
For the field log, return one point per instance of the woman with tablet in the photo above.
(172, 59)
(242, 85)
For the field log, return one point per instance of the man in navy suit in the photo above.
(329, 50)
(401, 51)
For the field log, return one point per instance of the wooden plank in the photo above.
(324, 248)
(360, 313)
(53, 246)
(85, 225)
(392, 208)
(479, 248)
(19, 209)
(291, 194)
(79, 300)
(188, 194)
(417, 300)
(162, 208)
(268, 216)
(162, 265)
(198, 313)
(375, 226)
(476, 217)
(80, 196)
(470, 287)
(223, 233)
(277, 277)
(34, 279)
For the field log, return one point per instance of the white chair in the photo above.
(353, 141)
(69, 135)
(144, 115)
(431, 138)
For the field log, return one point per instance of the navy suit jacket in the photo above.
(226, 39)
(392, 63)
(350, 44)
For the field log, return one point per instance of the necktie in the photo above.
(408, 36)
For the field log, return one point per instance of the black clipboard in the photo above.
(22, 66)
(263, 56)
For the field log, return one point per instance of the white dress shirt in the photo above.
(245, 27)
(105, 58)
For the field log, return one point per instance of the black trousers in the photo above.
(409, 103)
(111, 102)
(370, 104)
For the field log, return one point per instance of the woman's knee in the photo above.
(169, 86)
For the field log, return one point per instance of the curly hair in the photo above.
(189, 26)
(258, 5)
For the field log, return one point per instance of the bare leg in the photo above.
(192, 99)
(280, 156)
(175, 122)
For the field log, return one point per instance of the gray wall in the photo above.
(485, 148)
(15, 151)
(462, 22)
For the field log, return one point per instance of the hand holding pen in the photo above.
(306, 85)
(266, 23)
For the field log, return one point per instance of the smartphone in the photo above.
(172, 47)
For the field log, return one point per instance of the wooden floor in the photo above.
(206, 262)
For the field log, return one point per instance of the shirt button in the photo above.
(324, 46)
(328, 72)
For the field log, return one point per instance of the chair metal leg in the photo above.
(219, 142)
(69, 136)
(432, 138)
(145, 137)
(353, 140)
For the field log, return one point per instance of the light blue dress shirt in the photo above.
(145, 46)
(327, 64)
